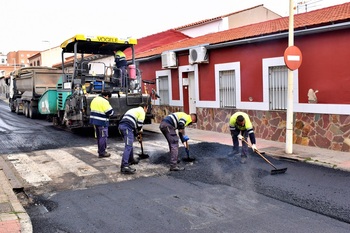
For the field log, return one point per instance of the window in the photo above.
(227, 86)
(278, 87)
(163, 90)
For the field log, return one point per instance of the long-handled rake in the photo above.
(273, 172)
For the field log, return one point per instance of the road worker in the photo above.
(241, 127)
(168, 126)
(121, 64)
(129, 127)
(101, 110)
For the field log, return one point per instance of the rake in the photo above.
(273, 172)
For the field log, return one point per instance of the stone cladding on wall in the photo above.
(328, 131)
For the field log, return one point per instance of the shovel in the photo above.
(188, 158)
(273, 172)
(142, 155)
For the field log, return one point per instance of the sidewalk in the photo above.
(13, 217)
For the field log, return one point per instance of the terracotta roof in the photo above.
(150, 42)
(324, 16)
(205, 21)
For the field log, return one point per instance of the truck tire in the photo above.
(33, 112)
(18, 111)
(26, 109)
(12, 107)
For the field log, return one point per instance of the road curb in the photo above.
(17, 209)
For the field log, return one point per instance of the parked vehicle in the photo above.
(27, 85)
(88, 69)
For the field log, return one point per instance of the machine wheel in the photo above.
(32, 112)
(26, 109)
(12, 106)
(13, 109)
(18, 111)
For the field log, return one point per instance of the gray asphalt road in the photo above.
(70, 190)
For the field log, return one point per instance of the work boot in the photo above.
(127, 170)
(134, 161)
(233, 153)
(105, 155)
(176, 168)
(243, 158)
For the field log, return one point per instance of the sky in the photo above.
(42, 24)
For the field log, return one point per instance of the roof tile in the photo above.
(329, 15)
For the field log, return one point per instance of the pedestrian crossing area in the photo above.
(80, 166)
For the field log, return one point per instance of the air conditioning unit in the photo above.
(169, 59)
(198, 55)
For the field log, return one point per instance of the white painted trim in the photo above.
(341, 109)
(222, 67)
(267, 63)
(163, 73)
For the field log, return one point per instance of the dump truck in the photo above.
(27, 85)
(88, 69)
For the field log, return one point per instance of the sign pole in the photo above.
(289, 125)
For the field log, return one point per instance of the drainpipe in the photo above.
(289, 125)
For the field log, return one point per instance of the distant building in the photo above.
(20, 58)
(237, 19)
(3, 59)
(47, 57)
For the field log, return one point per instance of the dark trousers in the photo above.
(128, 136)
(173, 141)
(235, 140)
(101, 134)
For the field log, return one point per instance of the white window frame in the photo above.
(342, 109)
(162, 73)
(234, 66)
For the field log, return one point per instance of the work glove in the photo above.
(240, 137)
(254, 147)
(186, 138)
(136, 133)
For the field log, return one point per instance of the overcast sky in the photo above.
(42, 24)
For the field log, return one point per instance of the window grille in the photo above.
(278, 87)
(163, 90)
(227, 86)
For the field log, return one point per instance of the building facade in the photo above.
(243, 69)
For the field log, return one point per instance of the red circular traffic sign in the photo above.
(293, 57)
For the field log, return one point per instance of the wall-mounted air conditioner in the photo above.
(198, 55)
(169, 59)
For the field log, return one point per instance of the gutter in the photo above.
(281, 35)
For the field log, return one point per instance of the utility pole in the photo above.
(289, 125)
